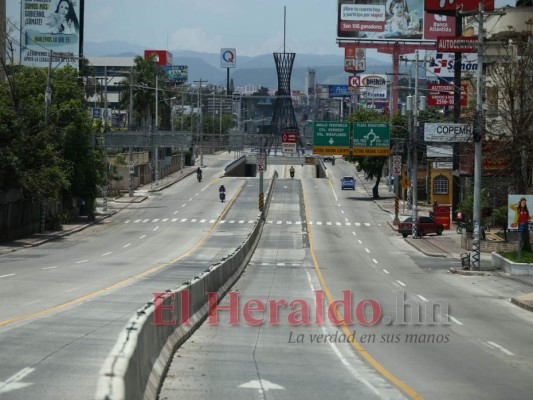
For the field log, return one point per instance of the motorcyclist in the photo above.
(222, 189)
(199, 171)
(291, 171)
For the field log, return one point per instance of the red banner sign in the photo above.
(457, 44)
(289, 137)
(447, 6)
(443, 99)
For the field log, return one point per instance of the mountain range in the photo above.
(259, 70)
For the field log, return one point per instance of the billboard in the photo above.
(228, 58)
(449, 6)
(176, 73)
(436, 25)
(380, 19)
(442, 64)
(447, 133)
(162, 57)
(49, 25)
(518, 215)
(339, 91)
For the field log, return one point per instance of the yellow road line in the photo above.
(128, 280)
(360, 349)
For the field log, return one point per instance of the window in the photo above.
(440, 185)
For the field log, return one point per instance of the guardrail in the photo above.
(136, 365)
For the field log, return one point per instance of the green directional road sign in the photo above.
(371, 138)
(331, 137)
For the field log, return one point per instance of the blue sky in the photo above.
(253, 27)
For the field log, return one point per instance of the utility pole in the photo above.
(106, 186)
(200, 125)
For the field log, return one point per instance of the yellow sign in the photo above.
(332, 150)
(405, 182)
(371, 151)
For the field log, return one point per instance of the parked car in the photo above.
(425, 225)
(348, 182)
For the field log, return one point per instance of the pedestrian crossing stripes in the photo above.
(242, 222)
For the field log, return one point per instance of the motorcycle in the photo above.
(292, 174)
(199, 176)
(222, 196)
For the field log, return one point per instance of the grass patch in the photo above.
(526, 256)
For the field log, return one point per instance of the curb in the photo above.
(526, 305)
(467, 272)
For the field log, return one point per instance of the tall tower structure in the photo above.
(283, 119)
(310, 85)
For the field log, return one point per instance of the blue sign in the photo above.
(97, 113)
(339, 91)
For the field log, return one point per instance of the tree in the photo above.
(509, 116)
(371, 166)
(47, 158)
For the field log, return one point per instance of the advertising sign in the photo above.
(176, 73)
(228, 58)
(49, 25)
(354, 59)
(446, 97)
(374, 80)
(339, 91)
(436, 25)
(449, 6)
(442, 64)
(383, 19)
(517, 218)
(443, 132)
(457, 44)
(162, 57)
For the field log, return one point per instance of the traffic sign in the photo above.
(396, 165)
(405, 182)
(261, 162)
(289, 137)
(331, 133)
(371, 134)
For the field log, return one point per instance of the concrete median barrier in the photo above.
(136, 365)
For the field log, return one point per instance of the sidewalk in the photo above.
(114, 205)
(446, 245)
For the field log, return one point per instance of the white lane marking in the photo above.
(190, 199)
(155, 220)
(175, 212)
(164, 220)
(348, 224)
(137, 220)
(279, 222)
(318, 222)
(509, 353)
(142, 237)
(6, 276)
(353, 233)
(453, 319)
(366, 249)
(212, 221)
(13, 383)
(374, 261)
(422, 298)
(359, 240)
(262, 385)
(127, 221)
(183, 220)
(50, 267)
(387, 272)
(401, 283)
(183, 205)
(82, 261)
(202, 221)
(298, 222)
(280, 264)
(338, 223)
(126, 245)
(251, 221)
(367, 224)
(241, 221)
(106, 254)
(357, 224)
(232, 221)
(342, 211)
(194, 220)
(174, 219)
(223, 221)
(155, 229)
(289, 222)
(146, 220)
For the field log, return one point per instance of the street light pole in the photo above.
(200, 125)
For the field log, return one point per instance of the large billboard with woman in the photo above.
(380, 19)
(49, 25)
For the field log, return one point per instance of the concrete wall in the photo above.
(140, 358)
